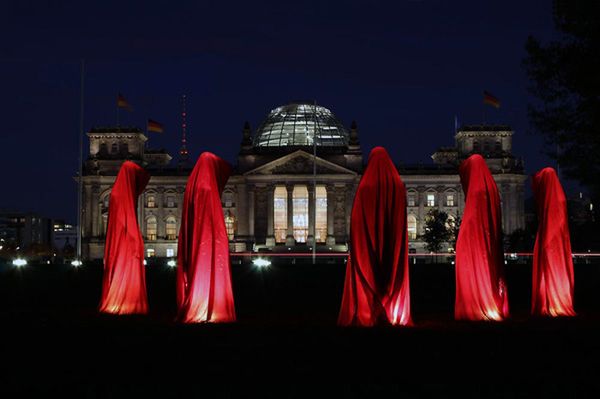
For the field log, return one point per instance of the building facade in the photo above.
(277, 198)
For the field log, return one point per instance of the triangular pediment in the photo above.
(299, 163)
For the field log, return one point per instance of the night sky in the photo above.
(401, 69)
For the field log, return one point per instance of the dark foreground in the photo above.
(286, 343)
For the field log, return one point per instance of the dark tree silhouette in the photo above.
(437, 230)
(565, 79)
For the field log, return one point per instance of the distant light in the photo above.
(452, 262)
(261, 263)
(19, 262)
(145, 263)
(76, 263)
(171, 263)
(47, 262)
(1, 246)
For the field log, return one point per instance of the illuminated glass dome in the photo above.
(294, 125)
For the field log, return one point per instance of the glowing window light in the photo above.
(19, 262)
(261, 263)
(171, 263)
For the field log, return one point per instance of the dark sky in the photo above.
(402, 69)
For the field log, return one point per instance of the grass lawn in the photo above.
(286, 343)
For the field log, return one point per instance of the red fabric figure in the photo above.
(480, 286)
(124, 281)
(204, 293)
(552, 293)
(376, 289)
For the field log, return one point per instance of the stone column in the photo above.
(289, 237)
(241, 205)
(422, 200)
(310, 240)
(330, 214)
(251, 212)
(270, 242)
(95, 200)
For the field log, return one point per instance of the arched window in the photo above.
(321, 214)
(151, 228)
(151, 201)
(411, 222)
(171, 228)
(103, 149)
(114, 148)
(280, 213)
(171, 201)
(230, 225)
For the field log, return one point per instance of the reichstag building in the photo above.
(274, 194)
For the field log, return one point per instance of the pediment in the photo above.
(299, 163)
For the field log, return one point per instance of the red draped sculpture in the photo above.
(376, 289)
(480, 286)
(204, 292)
(552, 293)
(124, 281)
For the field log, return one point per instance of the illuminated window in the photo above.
(230, 225)
(321, 214)
(430, 199)
(151, 201)
(170, 252)
(170, 201)
(171, 228)
(151, 228)
(280, 213)
(411, 221)
(300, 212)
(411, 199)
(150, 252)
(449, 199)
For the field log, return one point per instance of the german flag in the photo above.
(122, 103)
(154, 126)
(489, 99)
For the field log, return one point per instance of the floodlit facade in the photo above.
(272, 201)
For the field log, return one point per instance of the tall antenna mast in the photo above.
(183, 152)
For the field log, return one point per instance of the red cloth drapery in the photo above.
(124, 282)
(204, 292)
(552, 293)
(480, 286)
(376, 289)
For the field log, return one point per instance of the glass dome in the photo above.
(294, 125)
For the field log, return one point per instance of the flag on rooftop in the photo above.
(154, 126)
(490, 99)
(122, 103)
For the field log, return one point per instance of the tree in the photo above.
(566, 82)
(454, 228)
(437, 230)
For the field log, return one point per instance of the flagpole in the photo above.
(314, 221)
(80, 181)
